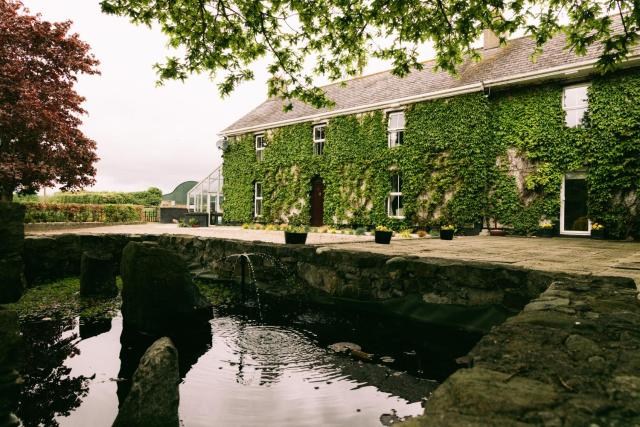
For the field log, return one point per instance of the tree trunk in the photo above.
(5, 195)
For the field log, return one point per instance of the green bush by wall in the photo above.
(81, 212)
(150, 197)
(501, 157)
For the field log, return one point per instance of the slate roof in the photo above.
(502, 63)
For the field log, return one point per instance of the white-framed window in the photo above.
(257, 200)
(575, 102)
(318, 139)
(394, 201)
(260, 145)
(395, 129)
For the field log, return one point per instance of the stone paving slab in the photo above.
(561, 254)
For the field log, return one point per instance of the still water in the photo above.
(244, 368)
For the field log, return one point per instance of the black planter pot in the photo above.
(295, 238)
(383, 237)
(598, 234)
(546, 232)
(446, 234)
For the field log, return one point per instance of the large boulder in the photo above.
(154, 397)
(158, 293)
(97, 275)
(12, 280)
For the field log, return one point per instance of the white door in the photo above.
(574, 218)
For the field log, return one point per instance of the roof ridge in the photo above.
(389, 70)
(498, 64)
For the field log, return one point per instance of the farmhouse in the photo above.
(509, 142)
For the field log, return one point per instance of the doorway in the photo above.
(574, 218)
(317, 202)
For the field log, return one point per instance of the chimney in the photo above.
(491, 41)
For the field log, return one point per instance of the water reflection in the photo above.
(90, 327)
(49, 389)
(272, 369)
(191, 342)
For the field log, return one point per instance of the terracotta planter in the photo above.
(446, 234)
(383, 237)
(598, 234)
(295, 238)
(497, 232)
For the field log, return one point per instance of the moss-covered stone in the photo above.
(60, 299)
(158, 292)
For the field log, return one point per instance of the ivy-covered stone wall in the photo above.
(464, 158)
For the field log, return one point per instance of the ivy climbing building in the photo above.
(508, 143)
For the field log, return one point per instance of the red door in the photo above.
(317, 202)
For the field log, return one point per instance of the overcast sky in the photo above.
(148, 135)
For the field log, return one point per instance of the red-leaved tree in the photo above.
(40, 142)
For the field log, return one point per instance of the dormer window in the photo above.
(575, 101)
(318, 139)
(260, 145)
(395, 129)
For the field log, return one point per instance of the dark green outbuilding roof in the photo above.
(179, 194)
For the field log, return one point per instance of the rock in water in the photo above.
(153, 399)
(12, 280)
(158, 294)
(97, 275)
(344, 347)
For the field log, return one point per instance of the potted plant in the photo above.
(495, 231)
(295, 235)
(546, 229)
(383, 235)
(597, 231)
(193, 222)
(447, 231)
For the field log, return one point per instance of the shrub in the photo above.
(74, 212)
(150, 197)
(405, 234)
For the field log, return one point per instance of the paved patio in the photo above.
(571, 255)
(222, 232)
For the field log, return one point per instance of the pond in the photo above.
(266, 365)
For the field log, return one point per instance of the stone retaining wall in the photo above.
(11, 246)
(474, 295)
(36, 227)
(570, 358)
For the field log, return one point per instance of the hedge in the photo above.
(150, 197)
(77, 212)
